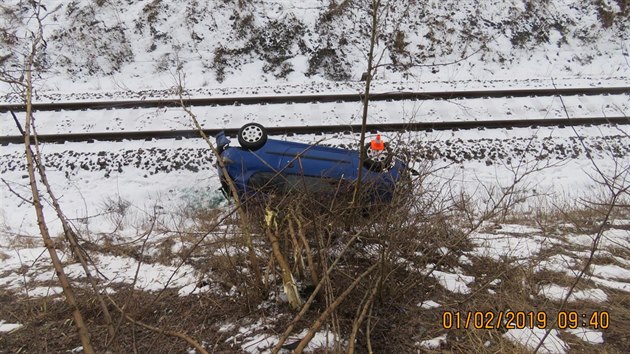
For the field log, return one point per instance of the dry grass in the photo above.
(409, 239)
(27, 241)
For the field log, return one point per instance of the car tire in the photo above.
(380, 163)
(252, 136)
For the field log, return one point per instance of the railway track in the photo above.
(321, 129)
(315, 98)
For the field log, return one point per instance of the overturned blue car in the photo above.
(261, 166)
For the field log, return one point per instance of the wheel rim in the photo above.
(377, 155)
(252, 134)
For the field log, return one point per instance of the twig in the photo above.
(69, 233)
(309, 302)
(367, 332)
(366, 100)
(16, 193)
(290, 289)
(307, 248)
(340, 299)
(82, 329)
(371, 295)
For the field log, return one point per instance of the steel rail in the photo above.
(317, 98)
(323, 129)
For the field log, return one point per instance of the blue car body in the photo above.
(289, 166)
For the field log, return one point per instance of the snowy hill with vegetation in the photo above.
(113, 45)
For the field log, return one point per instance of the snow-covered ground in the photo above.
(110, 190)
(327, 114)
(167, 172)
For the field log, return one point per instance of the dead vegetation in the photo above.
(277, 273)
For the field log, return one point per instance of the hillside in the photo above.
(113, 45)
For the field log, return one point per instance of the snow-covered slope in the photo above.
(120, 45)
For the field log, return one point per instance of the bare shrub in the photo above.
(360, 272)
(117, 211)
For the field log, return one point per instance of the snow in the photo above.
(531, 337)
(434, 343)
(227, 327)
(558, 293)
(139, 46)
(616, 238)
(517, 229)
(26, 266)
(612, 284)
(610, 271)
(36, 262)
(322, 340)
(560, 263)
(250, 339)
(455, 283)
(429, 304)
(9, 327)
(499, 246)
(611, 238)
(151, 277)
(588, 335)
(42, 291)
(84, 195)
(465, 260)
(620, 222)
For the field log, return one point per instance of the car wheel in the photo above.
(377, 160)
(252, 136)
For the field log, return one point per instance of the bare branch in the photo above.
(16, 193)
